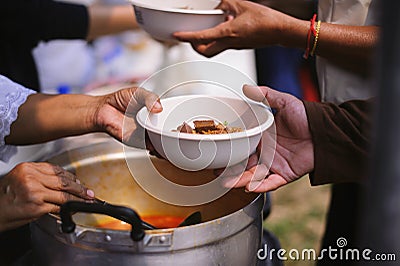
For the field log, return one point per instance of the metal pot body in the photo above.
(230, 233)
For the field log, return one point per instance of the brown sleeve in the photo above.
(341, 137)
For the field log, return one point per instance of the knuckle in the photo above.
(226, 32)
(64, 197)
(27, 185)
(68, 197)
(63, 183)
(34, 199)
(24, 167)
(54, 209)
(58, 170)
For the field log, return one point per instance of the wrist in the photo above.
(93, 121)
(294, 33)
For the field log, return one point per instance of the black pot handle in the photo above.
(119, 212)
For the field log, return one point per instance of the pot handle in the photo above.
(119, 212)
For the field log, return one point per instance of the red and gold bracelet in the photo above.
(317, 28)
(311, 31)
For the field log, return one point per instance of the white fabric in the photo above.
(336, 84)
(12, 96)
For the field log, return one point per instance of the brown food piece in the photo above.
(185, 128)
(204, 125)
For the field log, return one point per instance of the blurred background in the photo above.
(297, 216)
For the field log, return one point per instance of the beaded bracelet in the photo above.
(317, 28)
(310, 31)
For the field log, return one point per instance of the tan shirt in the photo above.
(338, 85)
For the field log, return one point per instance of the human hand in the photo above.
(116, 114)
(31, 190)
(294, 152)
(248, 25)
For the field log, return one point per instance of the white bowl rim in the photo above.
(178, 10)
(211, 137)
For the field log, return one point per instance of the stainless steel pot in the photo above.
(230, 233)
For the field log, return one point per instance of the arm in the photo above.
(49, 20)
(48, 117)
(33, 189)
(328, 141)
(341, 137)
(108, 19)
(251, 25)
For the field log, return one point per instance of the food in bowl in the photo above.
(207, 127)
(194, 152)
(161, 18)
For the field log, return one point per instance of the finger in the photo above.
(203, 36)
(57, 198)
(234, 170)
(228, 6)
(253, 161)
(260, 171)
(43, 208)
(271, 183)
(150, 147)
(237, 181)
(254, 174)
(149, 99)
(254, 92)
(211, 49)
(273, 98)
(61, 182)
(61, 172)
(55, 170)
(51, 169)
(26, 212)
(54, 177)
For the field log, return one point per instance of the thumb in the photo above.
(268, 96)
(143, 97)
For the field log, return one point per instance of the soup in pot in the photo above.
(158, 221)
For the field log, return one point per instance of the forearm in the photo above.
(108, 19)
(342, 44)
(350, 47)
(43, 117)
(341, 138)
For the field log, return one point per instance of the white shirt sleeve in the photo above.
(12, 96)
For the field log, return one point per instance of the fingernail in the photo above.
(90, 193)
(78, 181)
(157, 105)
(253, 185)
(247, 191)
(229, 183)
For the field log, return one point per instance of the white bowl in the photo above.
(161, 18)
(195, 152)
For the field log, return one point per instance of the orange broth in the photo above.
(159, 221)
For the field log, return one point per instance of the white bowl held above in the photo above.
(161, 18)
